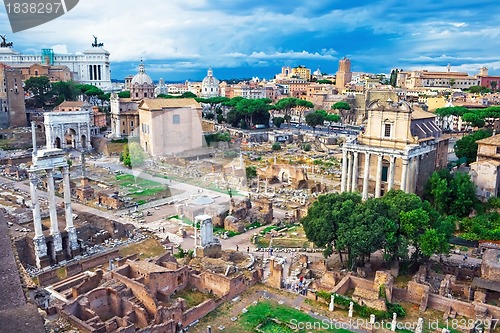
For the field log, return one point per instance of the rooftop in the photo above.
(492, 140)
(162, 103)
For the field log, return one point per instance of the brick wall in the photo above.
(198, 312)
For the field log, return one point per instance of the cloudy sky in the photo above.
(180, 39)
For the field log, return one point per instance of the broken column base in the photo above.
(42, 262)
(209, 251)
(72, 239)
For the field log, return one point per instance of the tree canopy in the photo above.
(391, 223)
(467, 146)
(451, 194)
(314, 119)
(133, 155)
(39, 87)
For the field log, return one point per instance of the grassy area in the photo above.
(192, 297)
(291, 242)
(146, 249)
(257, 314)
(61, 273)
(115, 147)
(401, 281)
(140, 188)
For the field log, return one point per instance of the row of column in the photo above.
(350, 170)
(39, 239)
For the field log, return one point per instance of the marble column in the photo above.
(355, 172)
(404, 174)
(415, 174)
(70, 228)
(39, 239)
(343, 181)
(378, 181)
(54, 227)
(349, 172)
(391, 172)
(366, 176)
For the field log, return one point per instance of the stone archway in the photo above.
(57, 142)
(70, 137)
(83, 141)
(285, 176)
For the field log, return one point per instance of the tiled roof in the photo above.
(492, 140)
(162, 103)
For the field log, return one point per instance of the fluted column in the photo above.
(343, 182)
(404, 174)
(378, 181)
(391, 172)
(39, 239)
(349, 171)
(366, 176)
(68, 211)
(54, 227)
(355, 172)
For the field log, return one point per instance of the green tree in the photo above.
(451, 111)
(467, 146)
(344, 110)
(324, 216)
(479, 90)
(286, 105)
(39, 87)
(277, 121)
(314, 119)
(188, 94)
(220, 119)
(133, 155)
(451, 194)
(452, 82)
(64, 91)
(124, 94)
(251, 172)
(276, 146)
(474, 119)
(394, 77)
(209, 115)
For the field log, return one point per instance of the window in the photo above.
(498, 150)
(131, 124)
(387, 130)
(176, 119)
(385, 171)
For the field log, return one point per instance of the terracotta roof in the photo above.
(162, 103)
(71, 104)
(492, 140)
(490, 161)
(421, 114)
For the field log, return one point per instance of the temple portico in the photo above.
(398, 150)
(378, 170)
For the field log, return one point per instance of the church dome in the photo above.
(141, 77)
(210, 80)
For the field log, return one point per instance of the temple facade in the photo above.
(399, 149)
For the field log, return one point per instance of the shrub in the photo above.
(276, 146)
(307, 147)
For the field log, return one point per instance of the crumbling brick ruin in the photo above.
(141, 296)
